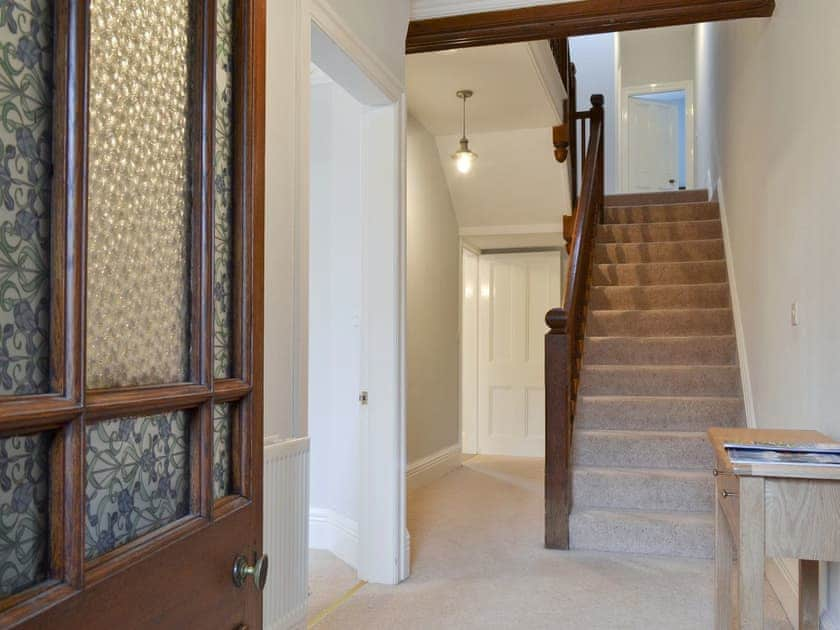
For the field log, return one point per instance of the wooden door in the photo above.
(131, 286)
(653, 140)
(515, 293)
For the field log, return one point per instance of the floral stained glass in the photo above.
(136, 478)
(24, 511)
(26, 93)
(222, 448)
(223, 194)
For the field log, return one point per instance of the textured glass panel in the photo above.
(24, 511)
(136, 478)
(139, 193)
(223, 165)
(222, 434)
(25, 180)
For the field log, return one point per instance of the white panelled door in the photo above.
(515, 292)
(653, 143)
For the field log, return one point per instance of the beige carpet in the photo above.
(478, 562)
(329, 579)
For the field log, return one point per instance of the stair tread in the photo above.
(691, 473)
(647, 397)
(662, 310)
(648, 434)
(657, 339)
(695, 517)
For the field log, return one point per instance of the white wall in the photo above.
(381, 24)
(594, 59)
(514, 181)
(767, 103)
(432, 301)
(335, 299)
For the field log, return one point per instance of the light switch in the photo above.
(794, 314)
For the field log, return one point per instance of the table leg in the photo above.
(751, 554)
(809, 595)
(723, 570)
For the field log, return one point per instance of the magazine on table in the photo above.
(799, 454)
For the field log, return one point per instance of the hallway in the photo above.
(478, 562)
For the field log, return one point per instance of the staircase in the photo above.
(659, 367)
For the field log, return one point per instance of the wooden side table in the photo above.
(778, 511)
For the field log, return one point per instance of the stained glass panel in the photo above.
(26, 92)
(223, 197)
(139, 193)
(24, 511)
(136, 478)
(222, 443)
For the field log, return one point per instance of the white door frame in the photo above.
(383, 538)
(623, 140)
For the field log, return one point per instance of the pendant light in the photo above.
(463, 157)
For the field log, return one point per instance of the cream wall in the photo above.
(768, 91)
(432, 301)
(659, 55)
(381, 25)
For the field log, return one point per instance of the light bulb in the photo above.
(464, 161)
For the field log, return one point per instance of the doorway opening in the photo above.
(658, 132)
(351, 233)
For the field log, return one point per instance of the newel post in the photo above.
(557, 430)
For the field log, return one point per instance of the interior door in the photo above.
(131, 310)
(653, 145)
(515, 291)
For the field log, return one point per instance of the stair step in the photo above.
(660, 322)
(658, 213)
(658, 413)
(708, 350)
(659, 296)
(694, 272)
(667, 380)
(671, 251)
(665, 197)
(658, 232)
(683, 534)
(642, 449)
(643, 489)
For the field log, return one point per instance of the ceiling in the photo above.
(425, 9)
(510, 92)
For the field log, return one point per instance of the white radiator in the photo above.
(285, 532)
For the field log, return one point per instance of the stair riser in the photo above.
(625, 450)
(659, 323)
(665, 197)
(681, 251)
(659, 351)
(627, 533)
(667, 381)
(659, 297)
(662, 213)
(659, 273)
(603, 488)
(656, 232)
(663, 414)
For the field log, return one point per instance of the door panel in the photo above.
(131, 306)
(516, 290)
(653, 145)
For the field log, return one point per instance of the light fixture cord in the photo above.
(464, 118)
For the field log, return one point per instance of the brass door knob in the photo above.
(259, 571)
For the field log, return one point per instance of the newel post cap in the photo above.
(597, 100)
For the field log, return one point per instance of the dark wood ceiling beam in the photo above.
(572, 18)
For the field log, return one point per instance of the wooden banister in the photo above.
(563, 348)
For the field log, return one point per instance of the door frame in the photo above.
(383, 536)
(624, 129)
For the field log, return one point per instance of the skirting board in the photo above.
(434, 466)
(336, 533)
(743, 362)
(294, 620)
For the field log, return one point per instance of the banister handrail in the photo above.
(565, 335)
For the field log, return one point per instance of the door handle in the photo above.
(258, 571)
